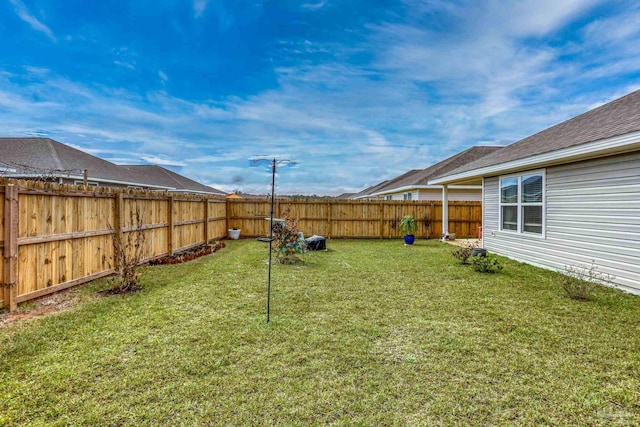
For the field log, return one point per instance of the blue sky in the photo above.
(355, 91)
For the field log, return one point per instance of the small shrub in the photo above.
(129, 255)
(408, 225)
(486, 264)
(287, 240)
(463, 253)
(580, 281)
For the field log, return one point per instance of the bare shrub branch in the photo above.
(128, 254)
(288, 240)
(463, 253)
(580, 281)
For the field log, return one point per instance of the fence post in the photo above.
(381, 202)
(118, 224)
(206, 221)
(329, 224)
(11, 247)
(171, 225)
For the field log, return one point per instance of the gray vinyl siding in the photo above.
(592, 213)
(455, 194)
(490, 205)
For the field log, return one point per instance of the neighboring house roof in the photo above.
(161, 176)
(31, 158)
(419, 178)
(567, 141)
(369, 190)
(345, 196)
(45, 157)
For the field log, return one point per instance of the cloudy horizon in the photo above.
(356, 93)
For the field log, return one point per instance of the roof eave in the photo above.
(422, 187)
(600, 148)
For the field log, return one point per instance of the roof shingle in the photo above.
(45, 156)
(419, 177)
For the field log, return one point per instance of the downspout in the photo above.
(481, 236)
(445, 210)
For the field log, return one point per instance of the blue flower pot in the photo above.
(409, 239)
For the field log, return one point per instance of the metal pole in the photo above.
(273, 185)
(274, 163)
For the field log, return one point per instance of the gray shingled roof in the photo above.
(344, 196)
(367, 190)
(165, 177)
(45, 156)
(416, 177)
(615, 118)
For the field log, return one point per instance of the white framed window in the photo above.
(389, 197)
(522, 203)
(89, 183)
(407, 196)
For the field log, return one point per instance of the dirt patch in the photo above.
(69, 298)
(56, 303)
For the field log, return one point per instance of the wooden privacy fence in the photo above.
(355, 218)
(58, 236)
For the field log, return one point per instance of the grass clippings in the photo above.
(368, 333)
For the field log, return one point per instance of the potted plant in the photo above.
(408, 226)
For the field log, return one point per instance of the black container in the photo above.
(478, 251)
(316, 243)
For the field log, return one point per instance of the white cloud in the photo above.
(23, 12)
(533, 18)
(124, 58)
(213, 159)
(314, 6)
(199, 6)
(614, 29)
(162, 161)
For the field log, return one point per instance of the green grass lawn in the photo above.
(369, 333)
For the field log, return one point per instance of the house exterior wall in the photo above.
(398, 196)
(592, 213)
(455, 195)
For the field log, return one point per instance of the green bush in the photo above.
(408, 225)
(485, 264)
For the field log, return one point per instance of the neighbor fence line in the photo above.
(334, 218)
(58, 236)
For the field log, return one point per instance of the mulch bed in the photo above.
(189, 254)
